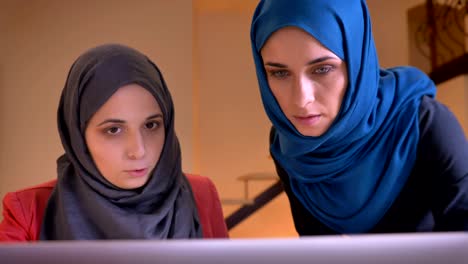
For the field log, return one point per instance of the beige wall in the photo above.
(233, 127)
(41, 39)
(232, 124)
(5, 13)
(389, 26)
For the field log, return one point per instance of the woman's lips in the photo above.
(137, 172)
(309, 120)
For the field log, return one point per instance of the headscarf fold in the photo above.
(83, 204)
(349, 176)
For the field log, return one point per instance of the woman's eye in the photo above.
(279, 74)
(152, 125)
(113, 130)
(323, 69)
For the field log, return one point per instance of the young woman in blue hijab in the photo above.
(359, 148)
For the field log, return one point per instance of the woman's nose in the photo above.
(136, 147)
(303, 92)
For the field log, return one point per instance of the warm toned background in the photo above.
(203, 49)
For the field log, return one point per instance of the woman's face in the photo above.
(307, 80)
(126, 136)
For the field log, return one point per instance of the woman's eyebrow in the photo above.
(321, 59)
(154, 116)
(111, 120)
(275, 64)
(120, 121)
(314, 61)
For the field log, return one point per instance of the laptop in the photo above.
(428, 248)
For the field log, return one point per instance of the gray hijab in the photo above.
(83, 204)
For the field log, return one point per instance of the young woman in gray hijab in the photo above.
(121, 175)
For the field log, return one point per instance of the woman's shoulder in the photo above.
(209, 206)
(39, 193)
(438, 124)
(442, 143)
(431, 109)
(203, 188)
(23, 211)
(43, 188)
(196, 179)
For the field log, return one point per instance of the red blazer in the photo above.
(23, 210)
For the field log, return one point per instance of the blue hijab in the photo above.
(349, 176)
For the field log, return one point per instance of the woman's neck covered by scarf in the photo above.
(349, 176)
(84, 205)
